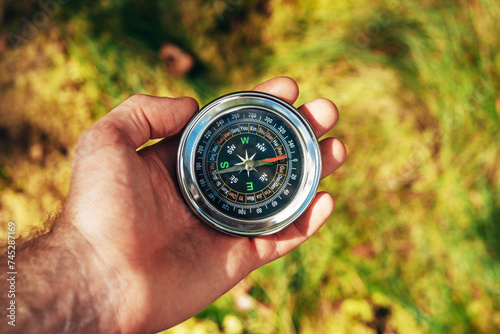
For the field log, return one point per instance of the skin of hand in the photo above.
(128, 255)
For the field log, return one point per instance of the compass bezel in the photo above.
(305, 192)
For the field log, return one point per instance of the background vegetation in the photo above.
(414, 243)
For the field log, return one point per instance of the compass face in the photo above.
(249, 164)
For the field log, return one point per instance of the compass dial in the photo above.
(249, 164)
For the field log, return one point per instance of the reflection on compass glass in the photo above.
(248, 163)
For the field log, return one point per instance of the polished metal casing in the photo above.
(201, 206)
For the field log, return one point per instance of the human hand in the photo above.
(146, 254)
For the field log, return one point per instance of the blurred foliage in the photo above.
(414, 243)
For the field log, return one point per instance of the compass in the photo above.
(249, 164)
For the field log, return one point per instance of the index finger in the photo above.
(283, 87)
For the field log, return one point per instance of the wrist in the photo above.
(61, 287)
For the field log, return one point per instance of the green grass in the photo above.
(414, 243)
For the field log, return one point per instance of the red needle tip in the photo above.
(274, 159)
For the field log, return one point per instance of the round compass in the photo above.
(249, 164)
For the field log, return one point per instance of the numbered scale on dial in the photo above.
(249, 164)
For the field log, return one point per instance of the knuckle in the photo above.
(95, 137)
(138, 99)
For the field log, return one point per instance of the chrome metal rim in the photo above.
(304, 194)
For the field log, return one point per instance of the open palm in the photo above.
(166, 265)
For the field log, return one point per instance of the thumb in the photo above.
(140, 118)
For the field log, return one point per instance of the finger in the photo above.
(271, 247)
(143, 117)
(166, 151)
(322, 114)
(283, 87)
(333, 155)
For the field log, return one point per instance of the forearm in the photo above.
(56, 289)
